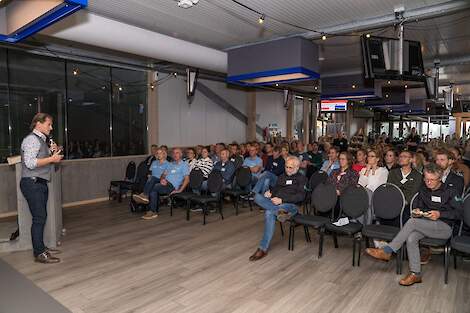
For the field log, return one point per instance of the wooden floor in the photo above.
(115, 262)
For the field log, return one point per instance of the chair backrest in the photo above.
(316, 179)
(388, 201)
(215, 182)
(196, 177)
(324, 197)
(243, 176)
(413, 202)
(130, 170)
(141, 177)
(354, 201)
(466, 210)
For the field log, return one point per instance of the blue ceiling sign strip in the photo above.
(239, 79)
(61, 11)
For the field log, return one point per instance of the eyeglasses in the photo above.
(430, 180)
(290, 167)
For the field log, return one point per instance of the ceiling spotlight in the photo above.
(316, 88)
(409, 111)
(152, 86)
(389, 82)
(120, 88)
(323, 37)
(175, 74)
(261, 19)
(103, 87)
(391, 110)
(277, 85)
(386, 96)
(368, 35)
(406, 86)
(75, 71)
(353, 86)
(186, 4)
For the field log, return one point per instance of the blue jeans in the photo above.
(154, 196)
(151, 182)
(265, 182)
(270, 215)
(36, 194)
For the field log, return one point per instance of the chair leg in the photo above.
(291, 235)
(188, 209)
(171, 208)
(354, 252)
(120, 195)
(321, 232)
(455, 261)
(367, 243)
(236, 199)
(335, 240)
(282, 230)
(204, 213)
(250, 203)
(307, 234)
(359, 243)
(292, 230)
(446, 264)
(221, 208)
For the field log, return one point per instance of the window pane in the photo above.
(129, 112)
(37, 84)
(4, 134)
(88, 111)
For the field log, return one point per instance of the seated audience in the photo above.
(408, 179)
(316, 156)
(361, 158)
(152, 157)
(226, 168)
(274, 168)
(268, 151)
(441, 210)
(284, 152)
(205, 163)
(450, 179)
(157, 169)
(174, 180)
(191, 158)
(391, 160)
(168, 157)
(344, 176)
(459, 166)
(280, 202)
(372, 176)
(254, 162)
(341, 142)
(332, 163)
(420, 160)
(235, 157)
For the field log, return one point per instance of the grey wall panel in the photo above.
(89, 179)
(7, 189)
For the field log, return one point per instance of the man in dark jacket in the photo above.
(406, 178)
(451, 180)
(274, 167)
(437, 212)
(280, 201)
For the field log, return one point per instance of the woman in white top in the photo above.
(372, 176)
(205, 163)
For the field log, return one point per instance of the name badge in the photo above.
(173, 171)
(223, 169)
(404, 180)
(436, 199)
(288, 182)
(233, 160)
(275, 163)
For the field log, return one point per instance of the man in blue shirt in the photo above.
(174, 180)
(254, 162)
(332, 163)
(157, 168)
(274, 168)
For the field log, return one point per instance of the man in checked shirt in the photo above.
(37, 160)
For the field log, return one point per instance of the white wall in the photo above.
(270, 109)
(205, 122)
(202, 121)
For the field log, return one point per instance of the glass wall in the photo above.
(98, 111)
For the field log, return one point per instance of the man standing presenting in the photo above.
(37, 160)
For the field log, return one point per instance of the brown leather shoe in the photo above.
(379, 254)
(259, 254)
(46, 258)
(410, 279)
(425, 255)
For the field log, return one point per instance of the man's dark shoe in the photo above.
(53, 251)
(46, 258)
(259, 254)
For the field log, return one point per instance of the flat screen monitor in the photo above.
(334, 105)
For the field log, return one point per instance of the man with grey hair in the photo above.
(436, 210)
(280, 202)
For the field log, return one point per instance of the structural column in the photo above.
(251, 115)
(306, 119)
(290, 117)
(152, 110)
(458, 126)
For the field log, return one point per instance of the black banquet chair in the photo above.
(119, 187)
(215, 184)
(241, 187)
(138, 186)
(354, 202)
(461, 244)
(388, 203)
(316, 179)
(196, 178)
(323, 200)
